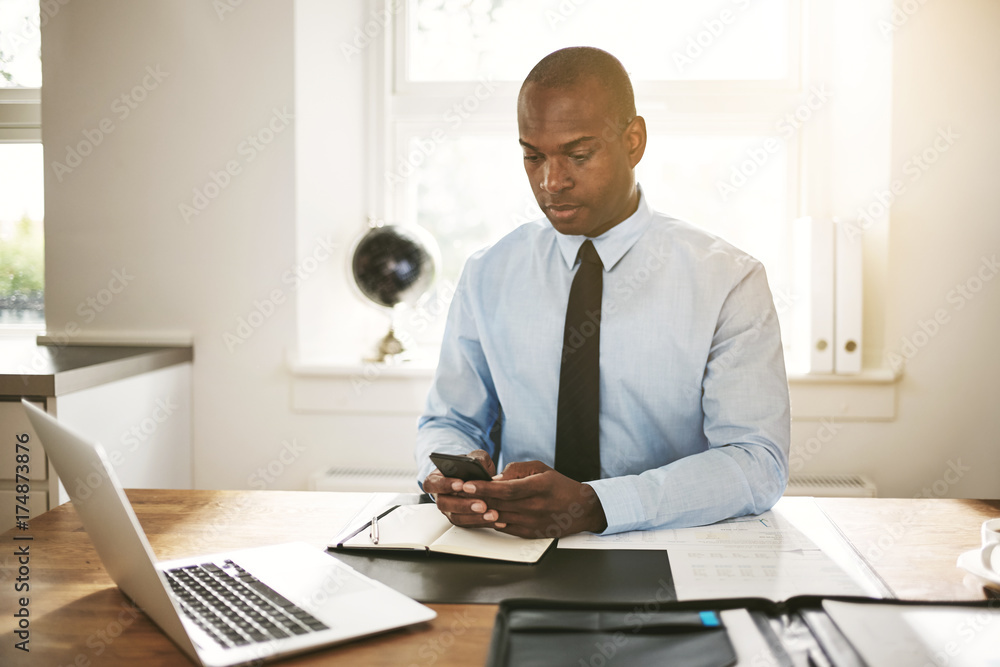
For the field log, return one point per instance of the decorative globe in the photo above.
(392, 265)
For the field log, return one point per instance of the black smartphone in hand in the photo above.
(462, 467)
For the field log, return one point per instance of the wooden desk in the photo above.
(78, 617)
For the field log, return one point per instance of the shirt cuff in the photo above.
(621, 503)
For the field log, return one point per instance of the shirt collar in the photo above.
(612, 245)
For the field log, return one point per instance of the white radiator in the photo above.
(831, 486)
(383, 480)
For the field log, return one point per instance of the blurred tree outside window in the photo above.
(22, 257)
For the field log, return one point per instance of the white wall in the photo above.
(119, 210)
(225, 77)
(944, 440)
(144, 424)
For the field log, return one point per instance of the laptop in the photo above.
(251, 605)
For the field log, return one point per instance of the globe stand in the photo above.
(388, 348)
(392, 266)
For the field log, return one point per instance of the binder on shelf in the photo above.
(813, 240)
(848, 298)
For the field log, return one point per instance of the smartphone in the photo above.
(462, 467)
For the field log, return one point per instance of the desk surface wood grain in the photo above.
(78, 616)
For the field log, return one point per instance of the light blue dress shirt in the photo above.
(694, 416)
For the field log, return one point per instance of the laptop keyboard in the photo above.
(234, 607)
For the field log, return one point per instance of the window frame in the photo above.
(21, 123)
(20, 115)
(405, 109)
(828, 185)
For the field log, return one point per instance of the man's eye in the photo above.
(581, 157)
(531, 158)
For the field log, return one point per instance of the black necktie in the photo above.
(578, 454)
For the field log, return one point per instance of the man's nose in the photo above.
(555, 177)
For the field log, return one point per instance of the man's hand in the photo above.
(454, 503)
(530, 499)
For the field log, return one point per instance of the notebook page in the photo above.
(406, 527)
(488, 543)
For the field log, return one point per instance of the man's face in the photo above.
(579, 166)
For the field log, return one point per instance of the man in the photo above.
(661, 400)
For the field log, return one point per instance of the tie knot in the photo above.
(589, 254)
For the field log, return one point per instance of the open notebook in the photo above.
(419, 527)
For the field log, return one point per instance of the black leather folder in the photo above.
(561, 574)
(544, 633)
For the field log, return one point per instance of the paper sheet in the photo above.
(790, 550)
(776, 575)
(765, 531)
(887, 636)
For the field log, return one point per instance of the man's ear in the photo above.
(635, 140)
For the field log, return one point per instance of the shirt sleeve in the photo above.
(462, 405)
(746, 420)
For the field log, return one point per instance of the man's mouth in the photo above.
(563, 211)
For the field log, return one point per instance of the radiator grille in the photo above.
(831, 486)
(391, 480)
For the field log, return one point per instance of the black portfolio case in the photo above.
(543, 633)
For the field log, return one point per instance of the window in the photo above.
(758, 111)
(710, 78)
(21, 167)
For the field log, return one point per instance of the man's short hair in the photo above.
(567, 67)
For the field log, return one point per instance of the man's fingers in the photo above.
(469, 520)
(459, 504)
(507, 489)
(484, 457)
(437, 483)
(522, 469)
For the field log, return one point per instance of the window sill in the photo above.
(868, 396)
(366, 388)
(349, 387)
